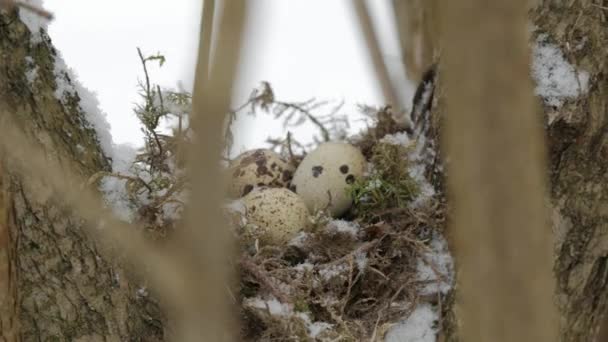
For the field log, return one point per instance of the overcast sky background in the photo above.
(304, 48)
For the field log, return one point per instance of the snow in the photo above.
(67, 83)
(304, 267)
(436, 266)
(32, 73)
(332, 271)
(33, 21)
(400, 138)
(114, 189)
(342, 226)
(237, 206)
(116, 198)
(276, 308)
(556, 79)
(316, 328)
(361, 260)
(273, 306)
(418, 162)
(426, 189)
(420, 326)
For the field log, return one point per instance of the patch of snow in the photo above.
(418, 157)
(332, 271)
(173, 211)
(304, 267)
(420, 326)
(32, 73)
(361, 261)
(34, 22)
(114, 189)
(116, 198)
(436, 266)
(123, 157)
(316, 328)
(276, 308)
(400, 138)
(375, 184)
(236, 206)
(273, 306)
(427, 191)
(346, 227)
(556, 79)
(68, 84)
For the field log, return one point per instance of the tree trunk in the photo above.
(577, 139)
(55, 285)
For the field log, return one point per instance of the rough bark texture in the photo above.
(63, 289)
(578, 138)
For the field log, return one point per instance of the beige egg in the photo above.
(256, 168)
(326, 174)
(275, 215)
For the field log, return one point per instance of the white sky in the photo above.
(304, 48)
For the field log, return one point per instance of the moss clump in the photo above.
(389, 185)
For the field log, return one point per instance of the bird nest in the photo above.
(355, 278)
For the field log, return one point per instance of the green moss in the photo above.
(301, 305)
(388, 186)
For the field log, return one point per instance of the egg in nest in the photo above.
(257, 168)
(274, 215)
(325, 175)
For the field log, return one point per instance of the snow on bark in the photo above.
(34, 22)
(556, 79)
(68, 85)
(420, 326)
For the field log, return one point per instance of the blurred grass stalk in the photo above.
(210, 316)
(496, 183)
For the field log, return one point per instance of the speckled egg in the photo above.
(275, 215)
(257, 168)
(326, 173)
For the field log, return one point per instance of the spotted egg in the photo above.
(325, 175)
(274, 215)
(256, 168)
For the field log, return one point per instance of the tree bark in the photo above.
(60, 287)
(578, 141)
